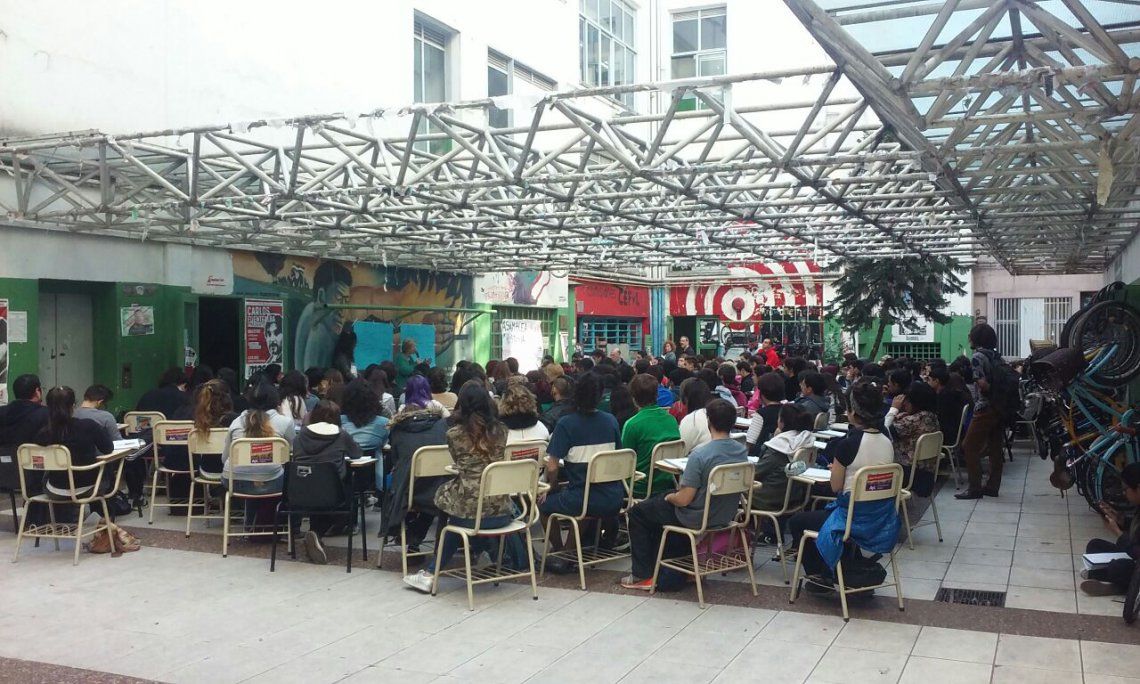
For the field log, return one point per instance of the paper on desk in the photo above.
(817, 474)
(128, 444)
(680, 463)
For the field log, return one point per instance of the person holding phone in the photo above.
(1114, 577)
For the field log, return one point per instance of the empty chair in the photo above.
(927, 449)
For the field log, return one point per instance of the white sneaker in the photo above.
(421, 581)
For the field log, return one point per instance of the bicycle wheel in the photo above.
(1132, 598)
(1111, 325)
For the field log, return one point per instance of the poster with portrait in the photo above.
(3, 351)
(136, 320)
(522, 339)
(264, 333)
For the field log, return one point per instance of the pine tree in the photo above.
(890, 291)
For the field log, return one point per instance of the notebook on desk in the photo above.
(680, 463)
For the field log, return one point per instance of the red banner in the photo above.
(264, 333)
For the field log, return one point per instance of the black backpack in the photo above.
(1005, 387)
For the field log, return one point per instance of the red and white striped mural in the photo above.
(750, 288)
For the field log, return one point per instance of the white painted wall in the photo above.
(40, 254)
(138, 65)
(1126, 267)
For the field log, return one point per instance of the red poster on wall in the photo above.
(264, 333)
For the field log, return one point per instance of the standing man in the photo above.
(985, 435)
(768, 354)
(319, 327)
(684, 348)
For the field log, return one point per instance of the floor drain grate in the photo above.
(971, 597)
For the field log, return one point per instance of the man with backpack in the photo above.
(996, 406)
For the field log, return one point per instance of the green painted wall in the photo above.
(147, 356)
(480, 332)
(22, 295)
(951, 338)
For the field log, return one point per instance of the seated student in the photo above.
(664, 394)
(260, 420)
(561, 391)
(294, 389)
(361, 419)
(437, 380)
(518, 409)
(898, 381)
(770, 390)
(949, 401)
(793, 431)
(25, 416)
(695, 424)
(1115, 577)
(650, 426)
(812, 394)
(332, 386)
(321, 440)
(744, 377)
(677, 382)
(414, 426)
(213, 408)
(622, 405)
(729, 382)
(314, 375)
(85, 439)
(791, 368)
(911, 416)
(476, 440)
(169, 396)
(576, 438)
(685, 506)
(93, 408)
(876, 525)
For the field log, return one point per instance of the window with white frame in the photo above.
(1057, 311)
(430, 74)
(607, 44)
(505, 76)
(1007, 325)
(699, 46)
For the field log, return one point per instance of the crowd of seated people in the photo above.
(596, 402)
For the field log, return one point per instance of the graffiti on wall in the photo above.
(784, 284)
(310, 283)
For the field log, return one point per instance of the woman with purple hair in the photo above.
(417, 395)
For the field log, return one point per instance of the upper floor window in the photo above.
(505, 76)
(699, 45)
(430, 74)
(607, 44)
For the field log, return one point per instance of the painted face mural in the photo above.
(308, 284)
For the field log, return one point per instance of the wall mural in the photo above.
(308, 283)
(784, 284)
